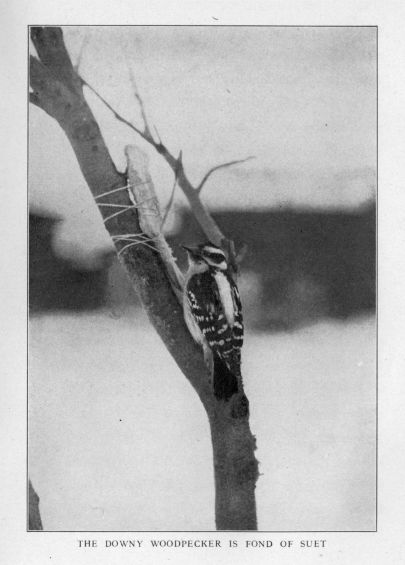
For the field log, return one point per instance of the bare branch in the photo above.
(222, 166)
(157, 134)
(147, 131)
(175, 164)
(200, 212)
(116, 115)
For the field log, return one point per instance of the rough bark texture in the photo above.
(57, 89)
(235, 473)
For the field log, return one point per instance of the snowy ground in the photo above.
(119, 441)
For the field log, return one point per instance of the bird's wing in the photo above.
(238, 323)
(205, 302)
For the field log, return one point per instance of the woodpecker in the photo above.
(213, 314)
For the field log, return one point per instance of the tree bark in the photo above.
(57, 89)
(236, 472)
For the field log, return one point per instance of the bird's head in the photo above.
(207, 254)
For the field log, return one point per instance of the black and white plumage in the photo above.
(213, 314)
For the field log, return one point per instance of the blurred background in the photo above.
(303, 102)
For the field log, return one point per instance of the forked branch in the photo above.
(192, 193)
(117, 116)
(138, 98)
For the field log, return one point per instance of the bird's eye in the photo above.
(215, 257)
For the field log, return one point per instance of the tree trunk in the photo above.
(236, 470)
(57, 89)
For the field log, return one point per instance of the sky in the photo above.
(302, 101)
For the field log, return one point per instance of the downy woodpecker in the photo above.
(213, 314)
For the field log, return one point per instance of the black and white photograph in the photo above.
(202, 278)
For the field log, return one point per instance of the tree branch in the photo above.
(117, 116)
(203, 217)
(147, 132)
(222, 166)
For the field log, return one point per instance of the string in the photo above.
(118, 189)
(144, 242)
(112, 191)
(114, 205)
(117, 213)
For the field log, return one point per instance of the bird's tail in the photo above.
(227, 376)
